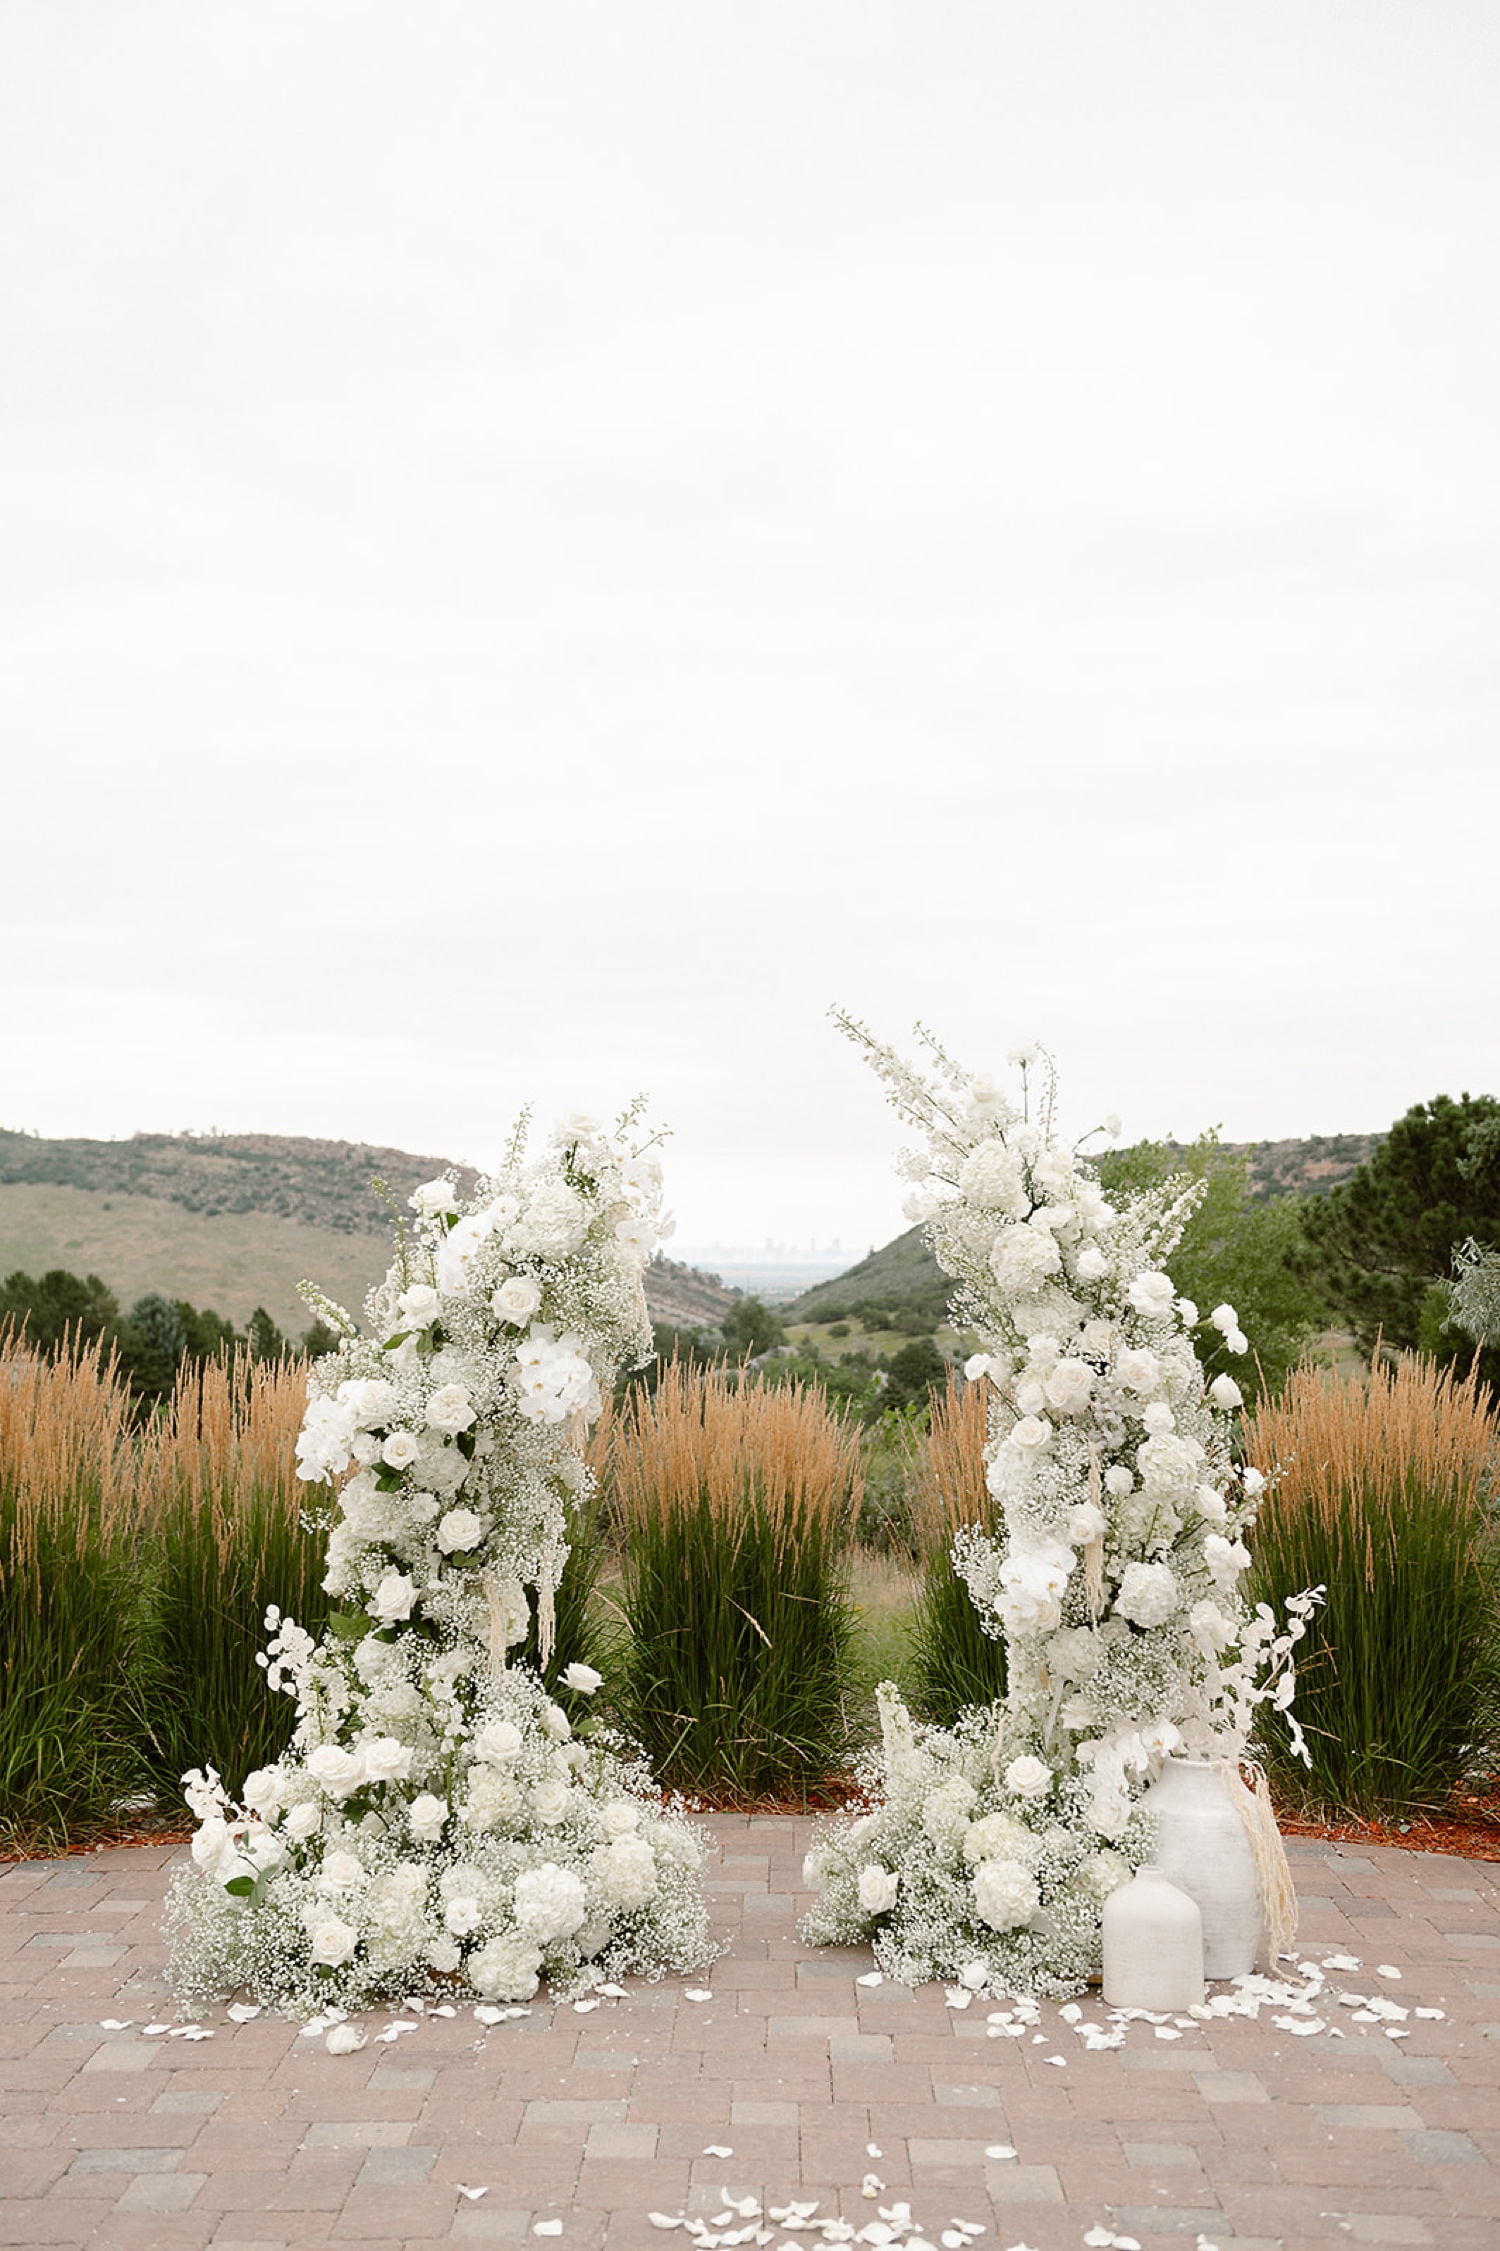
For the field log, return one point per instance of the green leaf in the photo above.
(349, 1625)
(242, 1887)
(393, 1344)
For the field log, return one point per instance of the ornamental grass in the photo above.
(71, 1609)
(736, 1504)
(222, 1517)
(1385, 1493)
(954, 1663)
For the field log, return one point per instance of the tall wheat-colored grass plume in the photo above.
(704, 1436)
(67, 1465)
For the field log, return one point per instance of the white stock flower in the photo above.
(991, 1177)
(459, 1531)
(1118, 1480)
(1023, 1258)
(1005, 1894)
(582, 1679)
(877, 1889)
(433, 1198)
(1253, 1483)
(1210, 1503)
(1092, 1264)
(1225, 1560)
(1226, 1394)
(450, 1410)
(516, 1300)
(1029, 1777)
(1149, 1594)
(1152, 1294)
(1159, 1419)
(550, 1902)
(1188, 1312)
(463, 1915)
(1209, 1627)
(333, 1942)
(1224, 1318)
(393, 1599)
(506, 1968)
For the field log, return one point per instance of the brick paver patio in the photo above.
(1235, 2133)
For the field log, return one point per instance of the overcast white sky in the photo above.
(543, 543)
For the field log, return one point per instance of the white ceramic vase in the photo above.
(1203, 1846)
(1153, 1945)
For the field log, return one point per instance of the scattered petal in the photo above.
(240, 2012)
(445, 2009)
(1433, 2016)
(344, 2040)
(473, 2194)
(1070, 2012)
(872, 2149)
(613, 1992)
(1341, 1961)
(871, 1977)
(959, 1996)
(1060, 2061)
(1394, 2032)
(718, 2149)
(999, 2150)
(697, 1993)
(871, 2186)
(486, 2012)
(1387, 1969)
(664, 2220)
(582, 2008)
(1167, 2032)
(118, 2024)
(547, 2227)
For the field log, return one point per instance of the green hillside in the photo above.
(901, 1286)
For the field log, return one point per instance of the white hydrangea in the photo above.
(1005, 1894)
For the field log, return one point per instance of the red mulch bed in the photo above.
(1470, 1830)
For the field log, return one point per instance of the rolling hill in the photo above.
(237, 1220)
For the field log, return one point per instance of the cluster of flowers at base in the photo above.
(340, 1879)
(971, 1867)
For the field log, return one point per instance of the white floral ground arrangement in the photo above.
(1116, 1586)
(440, 1823)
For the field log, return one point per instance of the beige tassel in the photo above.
(1273, 1876)
(998, 1748)
(499, 1619)
(1093, 1554)
(546, 1612)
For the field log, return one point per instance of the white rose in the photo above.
(426, 1816)
(1092, 1265)
(516, 1300)
(619, 1817)
(627, 1872)
(1211, 1504)
(433, 1198)
(263, 1791)
(459, 1531)
(386, 1758)
(1085, 1523)
(549, 1801)
(1152, 1294)
(1225, 1560)
(1069, 1386)
(1226, 1394)
(212, 1841)
(303, 1819)
(877, 1889)
(393, 1598)
(582, 1679)
(450, 1410)
(1224, 1318)
(1137, 1369)
(463, 1915)
(335, 1770)
(1031, 1434)
(1159, 1419)
(497, 1741)
(340, 1872)
(1253, 1483)
(400, 1450)
(333, 1942)
(1188, 1312)
(556, 1723)
(1028, 1777)
(419, 1306)
(1119, 1481)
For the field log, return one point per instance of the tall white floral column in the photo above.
(437, 1820)
(1116, 1584)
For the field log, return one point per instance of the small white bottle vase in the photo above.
(1153, 1945)
(1203, 1846)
